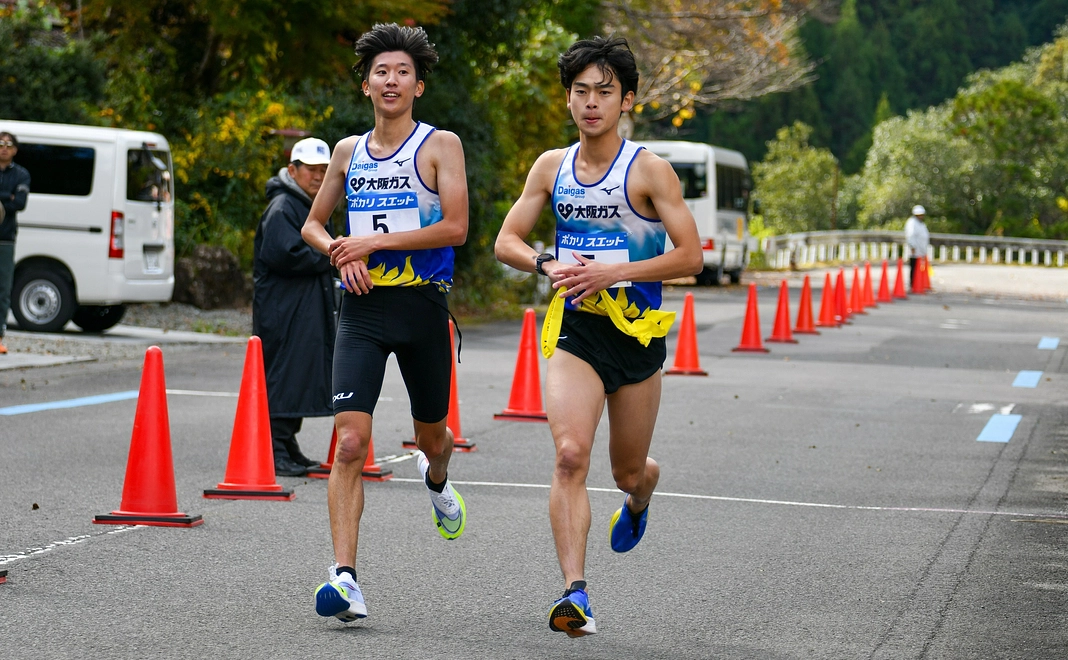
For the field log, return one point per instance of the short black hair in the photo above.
(612, 56)
(390, 37)
(10, 136)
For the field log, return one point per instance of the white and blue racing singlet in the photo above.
(387, 195)
(597, 221)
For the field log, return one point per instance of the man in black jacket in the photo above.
(14, 189)
(293, 310)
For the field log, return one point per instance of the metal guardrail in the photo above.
(816, 247)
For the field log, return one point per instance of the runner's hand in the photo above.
(355, 278)
(350, 248)
(584, 279)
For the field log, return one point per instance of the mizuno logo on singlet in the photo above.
(380, 183)
(401, 161)
(608, 191)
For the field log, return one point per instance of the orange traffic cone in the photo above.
(828, 305)
(148, 493)
(781, 330)
(373, 471)
(687, 359)
(524, 403)
(804, 312)
(899, 281)
(884, 287)
(869, 299)
(751, 341)
(925, 274)
(841, 300)
(250, 468)
(3, 576)
(453, 420)
(856, 301)
(322, 470)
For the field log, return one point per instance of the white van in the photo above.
(715, 184)
(98, 229)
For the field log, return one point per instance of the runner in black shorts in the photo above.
(411, 322)
(405, 191)
(615, 203)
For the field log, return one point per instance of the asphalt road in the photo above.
(829, 499)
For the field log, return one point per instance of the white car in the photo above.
(98, 229)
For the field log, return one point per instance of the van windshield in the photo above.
(148, 175)
(694, 179)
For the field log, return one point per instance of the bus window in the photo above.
(693, 178)
(732, 188)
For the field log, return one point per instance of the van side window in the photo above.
(148, 175)
(57, 170)
(693, 178)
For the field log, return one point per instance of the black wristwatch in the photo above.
(540, 261)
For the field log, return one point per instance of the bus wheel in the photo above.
(43, 300)
(710, 276)
(97, 318)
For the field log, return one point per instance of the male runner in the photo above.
(406, 191)
(613, 203)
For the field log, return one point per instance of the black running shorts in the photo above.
(617, 358)
(413, 323)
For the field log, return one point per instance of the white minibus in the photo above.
(98, 229)
(715, 184)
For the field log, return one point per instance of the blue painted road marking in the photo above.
(69, 403)
(1000, 428)
(1027, 379)
(1049, 343)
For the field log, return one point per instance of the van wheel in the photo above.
(43, 300)
(97, 318)
(735, 275)
(710, 276)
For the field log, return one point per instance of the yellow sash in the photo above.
(654, 323)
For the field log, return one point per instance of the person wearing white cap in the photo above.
(293, 310)
(917, 238)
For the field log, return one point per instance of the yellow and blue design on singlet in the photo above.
(387, 195)
(598, 221)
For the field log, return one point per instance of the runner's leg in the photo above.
(344, 494)
(632, 412)
(574, 404)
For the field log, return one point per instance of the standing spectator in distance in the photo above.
(14, 189)
(917, 238)
(293, 309)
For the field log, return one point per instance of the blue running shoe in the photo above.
(449, 509)
(572, 614)
(626, 529)
(340, 597)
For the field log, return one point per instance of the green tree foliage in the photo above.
(989, 161)
(917, 54)
(44, 76)
(796, 183)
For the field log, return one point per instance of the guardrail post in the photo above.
(956, 253)
(994, 256)
(1034, 257)
(942, 253)
(982, 254)
(1060, 257)
(1046, 258)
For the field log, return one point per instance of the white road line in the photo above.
(750, 500)
(73, 540)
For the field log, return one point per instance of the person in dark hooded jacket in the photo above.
(293, 309)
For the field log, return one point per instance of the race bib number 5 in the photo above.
(383, 213)
(609, 248)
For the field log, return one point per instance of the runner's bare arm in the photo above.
(511, 247)
(446, 157)
(656, 193)
(333, 189)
